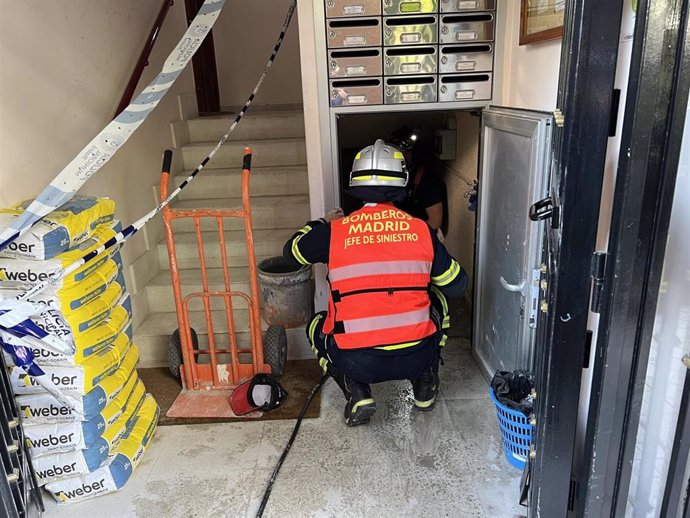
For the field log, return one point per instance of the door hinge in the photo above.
(558, 118)
(598, 278)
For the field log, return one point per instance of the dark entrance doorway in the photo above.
(204, 64)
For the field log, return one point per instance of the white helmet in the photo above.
(379, 165)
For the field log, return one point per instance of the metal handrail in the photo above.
(143, 61)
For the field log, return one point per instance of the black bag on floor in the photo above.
(513, 390)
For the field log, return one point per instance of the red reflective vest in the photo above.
(379, 269)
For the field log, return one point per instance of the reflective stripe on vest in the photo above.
(382, 323)
(380, 261)
(379, 268)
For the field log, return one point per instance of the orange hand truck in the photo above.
(185, 354)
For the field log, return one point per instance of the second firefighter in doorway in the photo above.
(389, 277)
(426, 197)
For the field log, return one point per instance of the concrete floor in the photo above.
(405, 463)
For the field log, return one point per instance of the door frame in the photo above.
(585, 100)
(651, 141)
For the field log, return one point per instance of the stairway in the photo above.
(280, 205)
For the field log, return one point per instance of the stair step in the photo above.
(267, 243)
(266, 153)
(227, 183)
(280, 204)
(268, 212)
(164, 323)
(153, 336)
(160, 294)
(254, 125)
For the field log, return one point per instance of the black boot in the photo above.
(360, 404)
(425, 388)
(339, 379)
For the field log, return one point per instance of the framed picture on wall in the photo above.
(541, 20)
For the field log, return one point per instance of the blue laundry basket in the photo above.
(516, 432)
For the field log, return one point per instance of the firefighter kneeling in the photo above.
(389, 278)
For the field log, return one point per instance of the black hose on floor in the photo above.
(269, 488)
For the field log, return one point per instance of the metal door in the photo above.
(514, 172)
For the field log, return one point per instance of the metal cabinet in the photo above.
(378, 49)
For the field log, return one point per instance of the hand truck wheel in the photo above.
(175, 351)
(275, 349)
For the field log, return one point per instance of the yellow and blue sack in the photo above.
(118, 468)
(80, 379)
(74, 296)
(54, 438)
(97, 338)
(56, 466)
(86, 317)
(87, 343)
(68, 226)
(84, 345)
(45, 439)
(33, 415)
(131, 393)
(43, 405)
(98, 310)
(21, 273)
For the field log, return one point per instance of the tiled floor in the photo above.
(445, 463)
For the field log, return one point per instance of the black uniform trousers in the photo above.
(375, 365)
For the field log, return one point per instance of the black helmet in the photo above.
(406, 138)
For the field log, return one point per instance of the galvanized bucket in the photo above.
(286, 292)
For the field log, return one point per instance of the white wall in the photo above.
(316, 126)
(529, 75)
(64, 65)
(243, 38)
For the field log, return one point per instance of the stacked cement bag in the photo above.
(93, 450)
